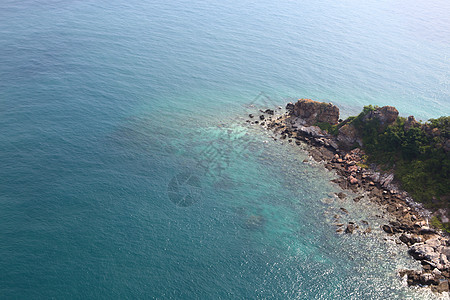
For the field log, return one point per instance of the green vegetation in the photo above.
(435, 222)
(414, 150)
(356, 121)
(416, 154)
(331, 129)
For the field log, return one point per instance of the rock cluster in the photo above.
(426, 245)
(434, 252)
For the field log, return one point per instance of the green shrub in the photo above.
(436, 223)
(420, 164)
(331, 129)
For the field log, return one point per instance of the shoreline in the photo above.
(409, 224)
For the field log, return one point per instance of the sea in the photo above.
(128, 170)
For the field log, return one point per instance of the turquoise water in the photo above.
(109, 112)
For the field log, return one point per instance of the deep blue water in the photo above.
(127, 170)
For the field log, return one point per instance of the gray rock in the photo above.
(420, 250)
(433, 243)
(313, 131)
(446, 252)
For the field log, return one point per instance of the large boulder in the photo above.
(422, 251)
(386, 115)
(312, 112)
(348, 136)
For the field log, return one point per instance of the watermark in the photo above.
(185, 189)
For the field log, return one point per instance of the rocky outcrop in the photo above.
(433, 254)
(312, 112)
(386, 115)
(411, 123)
(348, 136)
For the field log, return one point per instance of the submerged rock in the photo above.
(254, 222)
(350, 228)
(387, 229)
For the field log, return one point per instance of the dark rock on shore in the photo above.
(290, 107)
(350, 228)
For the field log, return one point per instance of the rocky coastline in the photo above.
(409, 223)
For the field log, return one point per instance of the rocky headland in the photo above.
(354, 149)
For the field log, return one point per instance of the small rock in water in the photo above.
(387, 228)
(344, 210)
(350, 228)
(341, 195)
(356, 199)
(250, 116)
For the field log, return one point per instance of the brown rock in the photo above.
(386, 115)
(352, 180)
(313, 111)
(352, 168)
